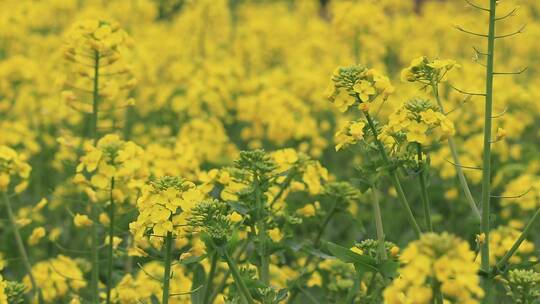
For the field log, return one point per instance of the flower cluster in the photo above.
(436, 260)
(97, 48)
(349, 134)
(416, 121)
(57, 278)
(112, 159)
(358, 85)
(501, 240)
(427, 71)
(164, 207)
(13, 170)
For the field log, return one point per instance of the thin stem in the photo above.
(423, 189)
(244, 291)
(167, 268)
(110, 258)
(394, 178)
(459, 170)
(19, 241)
(264, 268)
(210, 279)
(378, 225)
(486, 172)
(94, 281)
(504, 260)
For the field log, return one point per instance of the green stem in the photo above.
(19, 242)
(210, 279)
(486, 163)
(502, 263)
(167, 268)
(378, 225)
(394, 178)
(94, 281)
(110, 258)
(244, 291)
(264, 268)
(423, 187)
(455, 156)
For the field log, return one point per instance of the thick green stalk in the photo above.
(210, 279)
(423, 190)
(394, 178)
(167, 268)
(486, 163)
(94, 281)
(455, 156)
(242, 288)
(504, 260)
(378, 225)
(110, 258)
(19, 242)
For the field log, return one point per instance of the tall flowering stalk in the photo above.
(94, 47)
(164, 208)
(359, 86)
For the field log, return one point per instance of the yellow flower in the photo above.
(81, 220)
(356, 250)
(417, 133)
(37, 234)
(307, 211)
(235, 217)
(275, 234)
(364, 90)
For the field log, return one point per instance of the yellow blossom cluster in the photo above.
(112, 161)
(436, 260)
(164, 206)
(417, 121)
(14, 170)
(57, 278)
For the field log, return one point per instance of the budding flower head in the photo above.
(357, 84)
(523, 286)
(211, 217)
(370, 247)
(427, 71)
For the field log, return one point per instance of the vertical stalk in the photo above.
(378, 225)
(244, 291)
(453, 150)
(264, 269)
(94, 283)
(167, 268)
(423, 189)
(110, 258)
(19, 242)
(486, 167)
(210, 279)
(394, 178)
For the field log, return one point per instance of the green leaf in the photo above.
(199, 279)
(239, 207)
(281, 295)
(388, 268)
(361, 262)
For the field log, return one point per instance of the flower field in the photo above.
(269, 151)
